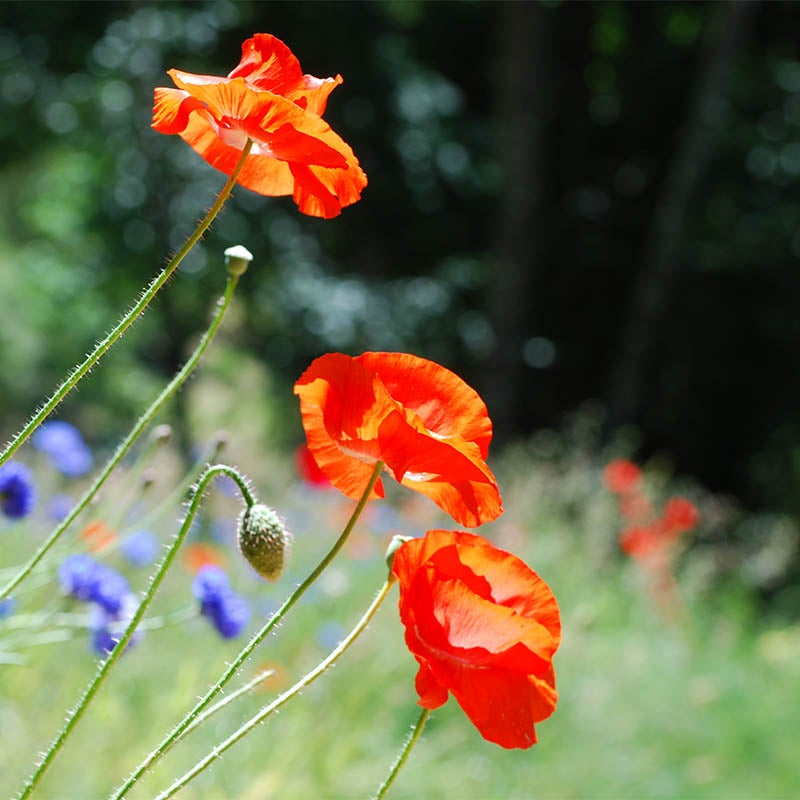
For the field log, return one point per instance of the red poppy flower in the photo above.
(642, 541)
(482, 626)
(269, 100)
(621, 475)
(680, 514)
(431, 430)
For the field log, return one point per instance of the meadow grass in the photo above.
(700, 706)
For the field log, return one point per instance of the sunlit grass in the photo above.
(704, 706)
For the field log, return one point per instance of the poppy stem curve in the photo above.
(413, 738)
(187, 722)
(282, 699)
(128, 319)
(77, 712)
(125, 445)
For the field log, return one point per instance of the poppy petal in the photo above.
(445, 403)
(482, 626)
(268, 100)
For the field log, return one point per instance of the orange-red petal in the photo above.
(483, 626)
(268, 100)
(269, 65)
(387, 423)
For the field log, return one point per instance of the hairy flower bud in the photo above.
(263, 540)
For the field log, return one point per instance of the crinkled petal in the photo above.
(269, 65)
(503, 706)
(295, 152)
(431, 693)
(342, 406)
(445, 403)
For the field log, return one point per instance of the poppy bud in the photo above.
(397, 542)
(237, 259)
(263, 540)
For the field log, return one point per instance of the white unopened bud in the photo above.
(237, 259)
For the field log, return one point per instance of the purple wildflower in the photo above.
(228, 611)
(17, 493)
(63, 444)
(90, 581)
(107, 629)
(140, 548)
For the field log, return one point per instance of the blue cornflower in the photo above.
(17, 493)
(140, 548)
(63, 444)
(107, 629)
(228, 611)
(86, 579)
(7, 607)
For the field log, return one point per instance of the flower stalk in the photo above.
(75, 715)
(413, 738)
(128, 319)
(282, 699)
(125, 445)
(188, 720)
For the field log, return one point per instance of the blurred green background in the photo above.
(567, 201)
(589, 211)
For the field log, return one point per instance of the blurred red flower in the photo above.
(98, 536)
(197, 555)
(621, 475)
(308, 469)
(431, 430)
(641, 541)
(680, 514)
(268, 99)
(483, 626)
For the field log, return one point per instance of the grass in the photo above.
(649, 708)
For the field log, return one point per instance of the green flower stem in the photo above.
(229, 698)
(105, 667)
(413, 738)
(126, 444)
(107, 341)
(282, 699)
(167, 505)
(190, 717)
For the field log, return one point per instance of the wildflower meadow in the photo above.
(394, 608)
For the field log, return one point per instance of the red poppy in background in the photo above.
(308, 469)
(482, 626)
(642, 541)
(621, 475)
(198, 555)
(431, 430)
(98, 536)
(680, 514)
(269, 100)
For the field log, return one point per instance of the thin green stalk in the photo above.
(229, 698)
(105, 667)
(167, 505)
(187, 721)
(413, 738)
(107, 341)
(282, 699)
(126, 444)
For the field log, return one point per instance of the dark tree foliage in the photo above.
(521, 158)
